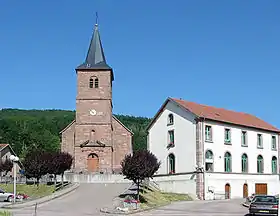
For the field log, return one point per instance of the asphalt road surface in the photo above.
(200, 208)
(84, 201)
(89, 198)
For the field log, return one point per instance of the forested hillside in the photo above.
(39, 129)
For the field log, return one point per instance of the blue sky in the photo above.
(220, 53)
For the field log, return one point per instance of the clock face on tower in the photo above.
(92, 112)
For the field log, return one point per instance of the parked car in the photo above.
(264, 205)
(277, 197)
(8, 197)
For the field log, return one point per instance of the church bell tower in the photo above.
(93, 129)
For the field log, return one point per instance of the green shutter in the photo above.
(273, 142)
(244, 163)
(243, 136)
(207, 133)
(227, 135)
(228, 163)
(172, 136)
(274, 165)
(260, 164)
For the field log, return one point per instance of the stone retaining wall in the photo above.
(94, 178)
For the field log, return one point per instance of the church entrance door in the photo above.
(93, 163)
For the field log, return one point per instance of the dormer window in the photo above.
(170, 119)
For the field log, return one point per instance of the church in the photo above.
(96, 139)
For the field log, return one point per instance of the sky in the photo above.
(220, 53)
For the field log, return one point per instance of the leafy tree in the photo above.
(60, 162)
(36, 164)
(26, 130)
(6, 166)
(139, 166)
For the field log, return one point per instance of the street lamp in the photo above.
(14, 159)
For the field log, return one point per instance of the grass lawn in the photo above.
(31, 190)
(152, 198)
(5, 213)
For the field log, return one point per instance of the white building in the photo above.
(212, 152)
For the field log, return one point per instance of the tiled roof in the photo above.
(3, 146)
(227, 116)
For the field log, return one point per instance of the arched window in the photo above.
(209, 161)
(244, 163)
(227, 161)
(274, 165)
(171, 163)
(260, 164)
(90, 83)
(170, 119)
(96, 83)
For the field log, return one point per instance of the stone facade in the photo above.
(122, 142)
(199, 160)
(109, 157)
(68, 138)
(96, 135)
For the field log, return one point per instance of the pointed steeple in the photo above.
(95, 59)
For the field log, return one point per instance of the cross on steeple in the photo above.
(96, 19)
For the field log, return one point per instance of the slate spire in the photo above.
(95, 56)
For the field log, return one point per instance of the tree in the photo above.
(26, 130)
(36, 164)
(139, 166)
(6, 166)
(61, 161)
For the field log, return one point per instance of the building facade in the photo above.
(97, 140)
(5, 152)
(230, 154)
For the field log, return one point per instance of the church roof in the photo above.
(74, 121)
(95, 59)
(119, 121)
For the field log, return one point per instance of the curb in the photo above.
(134, 212)
(103, 210)
(43, 199)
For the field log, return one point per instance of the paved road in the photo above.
(200, 208)
(86, 200)
(89, 198)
